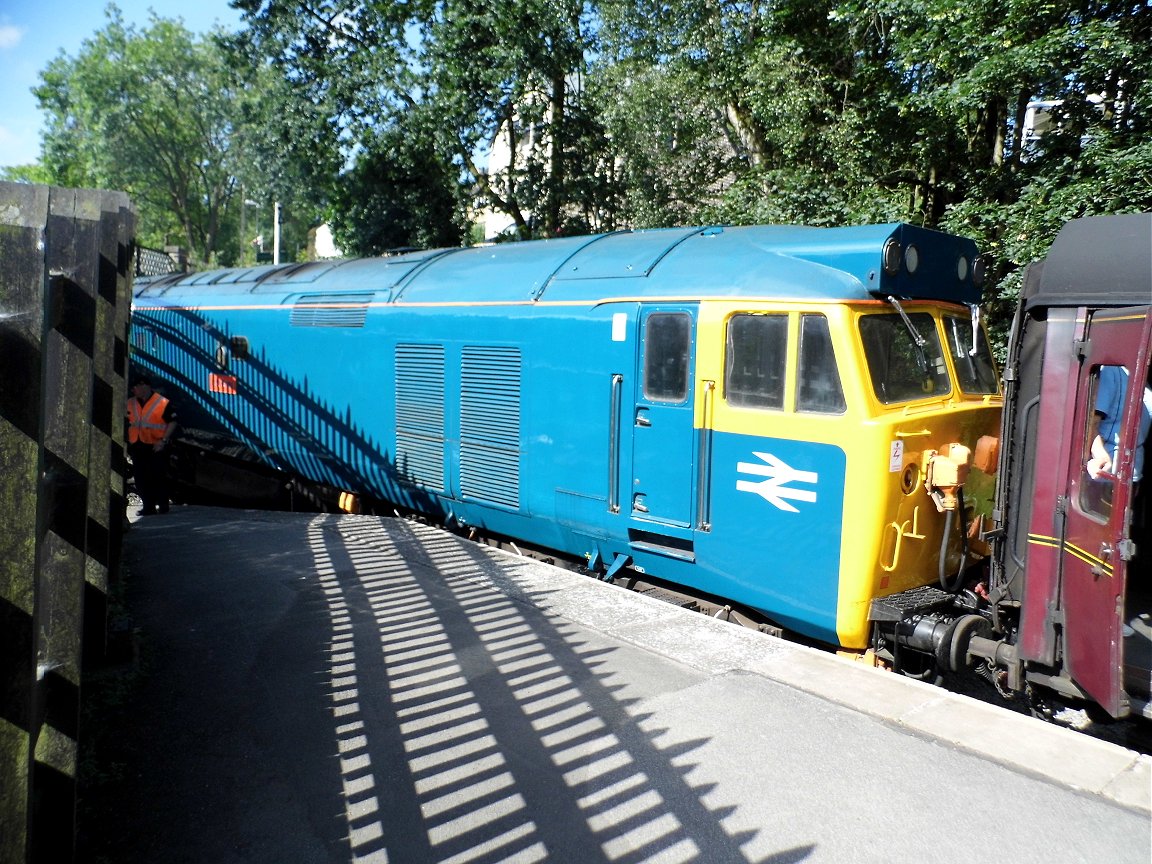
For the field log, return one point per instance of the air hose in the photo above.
(953, 587)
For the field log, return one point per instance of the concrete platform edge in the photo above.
(1018, 741)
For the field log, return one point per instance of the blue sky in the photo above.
(33, 32)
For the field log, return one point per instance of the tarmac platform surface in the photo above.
(324, 688)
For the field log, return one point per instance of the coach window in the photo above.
(905, 361)
(667, 348)
(818, 380)
(756, 363)
(974, 368)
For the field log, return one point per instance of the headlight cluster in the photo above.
(896, 256)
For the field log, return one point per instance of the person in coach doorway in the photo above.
(151, 424)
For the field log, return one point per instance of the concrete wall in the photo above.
(65, 278)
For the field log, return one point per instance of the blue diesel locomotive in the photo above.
(796, 420)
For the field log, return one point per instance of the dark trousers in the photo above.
(151, 472)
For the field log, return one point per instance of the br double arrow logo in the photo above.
(775, 488)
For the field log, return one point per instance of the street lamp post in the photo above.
(276, 233)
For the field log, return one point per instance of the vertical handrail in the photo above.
(704, 467)
(614, 444)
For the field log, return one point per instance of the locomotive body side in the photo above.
(736, 411)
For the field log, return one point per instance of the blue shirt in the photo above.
(1110, 406)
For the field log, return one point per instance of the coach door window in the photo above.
(667, 348)
(757, 361)
(1096, 493)
(818, 383)
(1104, 441)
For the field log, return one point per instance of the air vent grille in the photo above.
(420, 414)
(331, 310)
(490, 424)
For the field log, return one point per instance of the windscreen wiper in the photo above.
(917, 339)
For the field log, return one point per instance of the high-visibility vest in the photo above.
(146, 424)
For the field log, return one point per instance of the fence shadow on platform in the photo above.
(501, 735)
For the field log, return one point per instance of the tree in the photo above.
(150, 113)
(759, 102)
(36, 173)
(289, 151)
(470, 71)
(398, 195)
(1090, 65)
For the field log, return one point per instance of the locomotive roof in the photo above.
(1096, 261)
(784, 262)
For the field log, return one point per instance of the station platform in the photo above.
(323, 688)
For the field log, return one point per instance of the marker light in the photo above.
(911, 258)
(978, 272)
(891, 256)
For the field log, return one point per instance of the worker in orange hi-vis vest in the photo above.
(151, 425)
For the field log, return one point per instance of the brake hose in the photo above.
(952, 588)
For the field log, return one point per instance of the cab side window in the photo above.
(973, 362)
(818, 383)
(756, 361)
(667, 349)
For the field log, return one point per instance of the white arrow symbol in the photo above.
(774, 489)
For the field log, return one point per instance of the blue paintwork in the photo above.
(789, 561)
(535, 440)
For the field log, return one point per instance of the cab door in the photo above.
(663, 437)
(1096, 546)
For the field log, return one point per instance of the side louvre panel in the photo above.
(420, 414)
(490, 424)
(331, 310)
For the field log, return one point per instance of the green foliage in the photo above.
(672, 158)
(399, 195)
(381, 116)
(36, 173)
(147, 112)
(475, 74)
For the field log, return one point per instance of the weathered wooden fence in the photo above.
(65, 274)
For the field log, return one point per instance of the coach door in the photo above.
(663, 458)
(1097, 547)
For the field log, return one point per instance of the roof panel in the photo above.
(783, 262)
(1099, 260)
(503, 273)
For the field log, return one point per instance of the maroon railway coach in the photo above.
(1072, 564)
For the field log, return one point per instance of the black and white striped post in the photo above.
(65, 278)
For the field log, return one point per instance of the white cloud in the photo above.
(10, 36)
